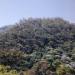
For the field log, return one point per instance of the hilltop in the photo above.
(34, 41)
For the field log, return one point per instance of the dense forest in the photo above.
(38, 47)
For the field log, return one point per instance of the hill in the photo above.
(33, 42)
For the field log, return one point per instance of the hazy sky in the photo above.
(12, 11)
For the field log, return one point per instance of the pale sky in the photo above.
(12, 11)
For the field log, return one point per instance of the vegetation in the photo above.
(38, 47)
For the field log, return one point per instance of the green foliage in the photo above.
(6, 70)
(62, 69)
(26, 43)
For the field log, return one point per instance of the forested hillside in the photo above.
(38, 47)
